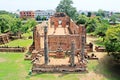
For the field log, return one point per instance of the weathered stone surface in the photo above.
(73, 32)
(4, 38)
(61, 31)
(12, 49)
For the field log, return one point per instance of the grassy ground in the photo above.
(26, 35)
(19, 42)
(13, 67)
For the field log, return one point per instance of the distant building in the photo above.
(27, 14)
(44, 13)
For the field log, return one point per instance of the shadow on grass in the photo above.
(108, 68)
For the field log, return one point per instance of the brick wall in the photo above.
(63, 41)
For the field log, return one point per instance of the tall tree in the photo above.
(44, 18)
(92, 24)
(16, 26)
(112, 41)
(113, 19)
(2, 12)
(82, 19)
(8, 23)
(89, 14)
(38, 18)
(102, 28)
(28, 26)
(66, 7)
(100, 13)
(5, 23)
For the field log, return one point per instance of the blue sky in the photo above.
(94, 5)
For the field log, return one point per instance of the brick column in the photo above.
(46, 46)
(82, 46)
(72, 60)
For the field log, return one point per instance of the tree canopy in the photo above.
(66, 7)
(8, 23)
(112, 41)
(15, 25)
(82, 19)
(102, 27)
(2, 12)
(28, 26)
(100, 13)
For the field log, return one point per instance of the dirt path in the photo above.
(2, 60)
(92, 39)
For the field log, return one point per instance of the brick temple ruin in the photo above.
(58, 45)
(4, 38)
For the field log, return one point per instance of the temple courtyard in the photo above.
(14, 67)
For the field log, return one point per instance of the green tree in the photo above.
(5, 23)
(16, 26)
(113, 19)
(82, 19)
(2, 12)
(28, 26)
(44, 18)
(66, 7)
(91, 24)
(38, 18)
(101, 28)
(112, 41)
(89, 14)
(100, 13)
(8, 23)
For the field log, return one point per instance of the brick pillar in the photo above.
(46, 46)
(72, 60)
(82, 46)
(82, 31)
(36, 39)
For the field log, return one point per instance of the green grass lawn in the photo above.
(19, 42)
(26, 35)
(14, 67)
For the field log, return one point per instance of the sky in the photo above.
(89, 5)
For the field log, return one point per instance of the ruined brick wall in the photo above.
(56, 41)
(12, 49)
(36, 40)
(4, 38)
(73, 27)
(54, 20)
(82, 31)
(63, 41)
